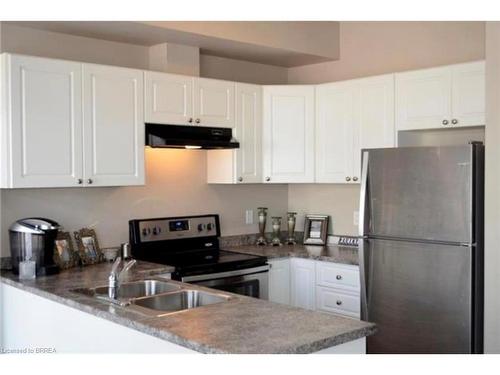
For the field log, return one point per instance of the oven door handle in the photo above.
(220, 275)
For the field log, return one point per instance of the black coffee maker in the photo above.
(34, 239)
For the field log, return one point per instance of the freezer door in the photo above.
(419, 295)
(420, 193)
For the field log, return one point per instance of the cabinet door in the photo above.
(168, 98)
(375, 118)
(214, 102)
(288, 134)
(44, 122)
(249, 133)
(336, 110)
(423, 99)
(279, 281)
(468, 94)
(303, 274)
(113, 126)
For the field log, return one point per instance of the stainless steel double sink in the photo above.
(155, 297)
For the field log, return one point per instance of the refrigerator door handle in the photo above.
(363, 222)
(363, 218)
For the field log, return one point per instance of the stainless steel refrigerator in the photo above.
(421, 248)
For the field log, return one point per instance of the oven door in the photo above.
(252, 282)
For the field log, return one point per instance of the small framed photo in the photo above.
(88, 246)
(316, 229)
(64, 252)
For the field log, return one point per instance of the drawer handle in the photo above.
(339, 302)
(338, 277)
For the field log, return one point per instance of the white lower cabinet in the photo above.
(279, 281)
(302, 276)
(316, 285)
(338, 302)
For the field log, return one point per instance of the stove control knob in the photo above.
(210, 226)
(144, 231)
(201, 227)
(155, 231)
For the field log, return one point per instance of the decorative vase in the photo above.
(262, 215)
(275, 241)
(291, 219)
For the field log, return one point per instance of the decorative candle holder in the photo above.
(275, 241)
(291, 219)
(262, 215)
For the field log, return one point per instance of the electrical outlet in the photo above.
(249, 217)
(355, 218)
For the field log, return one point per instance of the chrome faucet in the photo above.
(115, 277)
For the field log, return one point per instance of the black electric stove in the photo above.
(191, 245)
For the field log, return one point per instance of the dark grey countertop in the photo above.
(330, 253)
(242, 325)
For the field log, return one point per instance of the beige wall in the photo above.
(242, 71)
(370, 48)
(176, 185)
(492, 202)
(175, 179)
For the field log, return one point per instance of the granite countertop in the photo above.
(330, 253)
(241, 325)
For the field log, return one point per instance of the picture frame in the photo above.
(64, 252)
(88, 246)
(316, 229)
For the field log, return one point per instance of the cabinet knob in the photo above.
(197, 121)
(79, 181)
(339, 277)
(268, 178)
(348, 179)
(454, 121)
(355, 179)
(240, 179)
(445, 122)
(90, 181)
(339, 302)
(190, 120)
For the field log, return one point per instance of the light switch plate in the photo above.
(355, 218)
(249, 217)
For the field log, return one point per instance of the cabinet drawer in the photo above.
(337, 276)
(334, 301)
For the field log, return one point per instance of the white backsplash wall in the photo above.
(338, 201)
(175, 185)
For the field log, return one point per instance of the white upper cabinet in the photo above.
(248, 132)
(288, 134)
(441, 97)
(352, 115)
(41, 133)
(168, 98)
(336, 117)
(214, 103)
(113, 126)
(468, 94)
(243, 165)
(376, 117)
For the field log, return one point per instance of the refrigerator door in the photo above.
(419, 295)
(420, 193)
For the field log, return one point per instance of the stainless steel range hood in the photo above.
(189, 137)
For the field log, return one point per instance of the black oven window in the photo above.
(247, 288)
